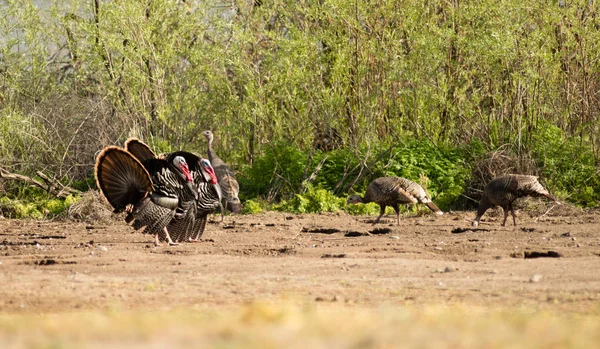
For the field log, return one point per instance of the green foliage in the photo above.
(569, 167)
(436, 83)
(252, 207)
(276, 174)
(314, 200)
(363, 209)
(35, 209)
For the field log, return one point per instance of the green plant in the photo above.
(252, 207)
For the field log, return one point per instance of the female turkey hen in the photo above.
(225, 175)
(504, 190)
(190, 222)
(393, 191)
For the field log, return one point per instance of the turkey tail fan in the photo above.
(434, 208)
(121, 178)
(139, 149)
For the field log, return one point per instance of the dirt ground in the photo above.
(549, 262)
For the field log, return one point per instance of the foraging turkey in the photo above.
(504, 190)
(393, 191)
(190, 222)
(225, 175)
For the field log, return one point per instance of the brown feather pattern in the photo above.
(393, 191)
(504, 190)
(227, 181)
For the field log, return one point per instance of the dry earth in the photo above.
(57, 266)
(550, 263)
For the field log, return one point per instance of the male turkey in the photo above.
(190, 222)
(227, 181)
(504, 190)
(151, 192)
(393, 191)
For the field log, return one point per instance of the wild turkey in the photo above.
(190, 225)
(393, 191)
(504, 190)
(190, 222)
(150, 193)
(227, 181)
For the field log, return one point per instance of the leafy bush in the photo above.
(276, 174)
(568, 166)
(252, 207)
(314, 200)
(37, 209)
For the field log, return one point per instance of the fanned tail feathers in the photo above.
(121, 178)
(139, 149)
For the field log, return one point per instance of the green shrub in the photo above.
(252, 207)
(36, 209)
(568, 166)
(314, 200)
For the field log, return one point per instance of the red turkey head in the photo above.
(207, 168)
(182, 165)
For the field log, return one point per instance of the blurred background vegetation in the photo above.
(308, 100)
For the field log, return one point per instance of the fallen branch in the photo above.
(50, 186)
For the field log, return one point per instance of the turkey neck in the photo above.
(211, 152)
(366, 199)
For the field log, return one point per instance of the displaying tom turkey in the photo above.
(229, 185)
(393, 191)
(190, 224)
(152, 192)
(504, 190)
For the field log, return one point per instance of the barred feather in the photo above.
(393, 191)
(175, 203)
(126, 184)
(504, 190)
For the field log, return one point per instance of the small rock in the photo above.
(395, 237)
(450, 269)
(437, 248)
(102, 248)
(494, 271)
(319, 299)
(536, 278)
(441, 284)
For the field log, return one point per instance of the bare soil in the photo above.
(548, 262)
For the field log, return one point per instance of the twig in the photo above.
(545, 213)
